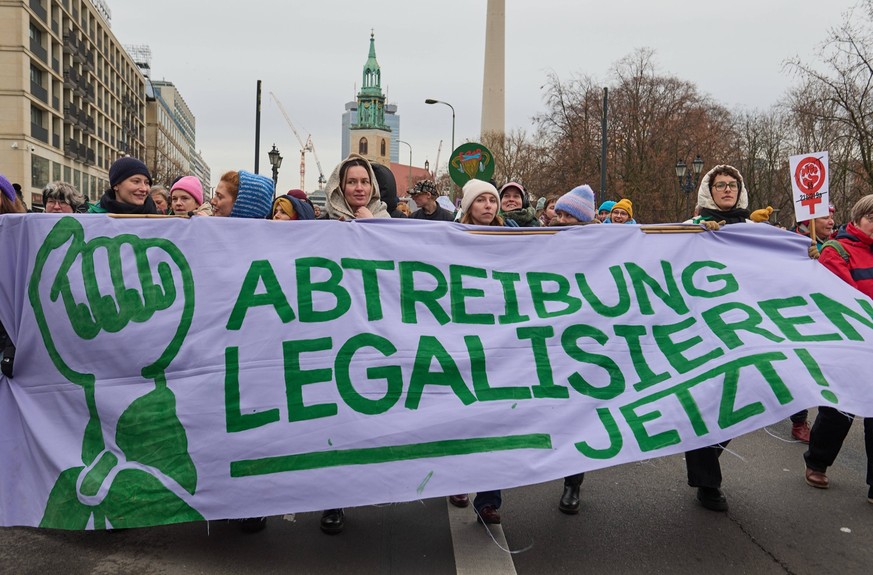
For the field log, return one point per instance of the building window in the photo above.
(382, 148)
(36, 76)
(35, 35)
(362, 146)
(37, 117)
(39, 171)
(38, 125)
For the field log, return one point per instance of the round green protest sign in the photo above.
(469, 161)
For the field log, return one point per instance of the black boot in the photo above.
(332, 521)
(569, 503)
(712, 498)
(252, 524)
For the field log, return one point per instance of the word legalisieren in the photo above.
(566, 329)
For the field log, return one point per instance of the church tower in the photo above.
(370, 136)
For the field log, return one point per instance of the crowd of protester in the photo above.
(358, 189)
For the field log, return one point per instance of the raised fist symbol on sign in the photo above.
(810, 175)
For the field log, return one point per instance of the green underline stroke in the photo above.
(369, 455)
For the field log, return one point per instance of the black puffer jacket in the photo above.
(388, 189)
(8, 351)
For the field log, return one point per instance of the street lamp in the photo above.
(276, 162)
(432, 101)
(409, 182)
(687, 181)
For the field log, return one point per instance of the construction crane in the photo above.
(306, 146)
(436, 164)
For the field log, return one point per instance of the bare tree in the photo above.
(518, 157)
(653, 120)
(569, 134)
(834, 105)
(164, 168)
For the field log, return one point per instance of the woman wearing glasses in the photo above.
(722, 197)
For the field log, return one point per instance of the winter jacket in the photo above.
(803, 229)
(858, 271)
(438, 215)
(388, 190)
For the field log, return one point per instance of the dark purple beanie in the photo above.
(126, 167)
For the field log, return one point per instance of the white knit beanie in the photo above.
(473, 189)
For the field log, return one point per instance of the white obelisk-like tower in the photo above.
(494, 78)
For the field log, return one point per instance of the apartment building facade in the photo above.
(72, 100)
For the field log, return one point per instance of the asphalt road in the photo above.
(635, 518)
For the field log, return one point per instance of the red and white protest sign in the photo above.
(809, 183)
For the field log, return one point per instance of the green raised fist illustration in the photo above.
(94, 302)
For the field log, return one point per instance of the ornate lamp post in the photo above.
(688, 180)
(276, 162)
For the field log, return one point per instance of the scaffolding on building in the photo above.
(103, 9)
(142, 57)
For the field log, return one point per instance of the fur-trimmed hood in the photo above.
(704, 197)
(336, 204)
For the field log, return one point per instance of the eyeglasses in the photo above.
(720, 186)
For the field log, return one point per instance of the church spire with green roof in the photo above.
(371, 100)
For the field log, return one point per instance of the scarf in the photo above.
(734, 216)
(113, 206)
(524, 217)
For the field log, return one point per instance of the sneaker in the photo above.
(459, 500)
(488, 515)
(817, 479)
(800, 431)
(712, 498)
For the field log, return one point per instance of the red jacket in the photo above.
(858, 271)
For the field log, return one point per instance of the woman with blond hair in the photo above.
(480, 205)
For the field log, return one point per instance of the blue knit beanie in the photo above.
(606, 206)
(578, 202)
(123, 168)
(254, 197)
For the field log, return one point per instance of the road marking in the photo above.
(475, 551)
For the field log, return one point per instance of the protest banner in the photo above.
(810, 183)
(177, 370)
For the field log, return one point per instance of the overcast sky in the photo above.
(311, 55)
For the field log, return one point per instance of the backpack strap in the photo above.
(837, 246)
